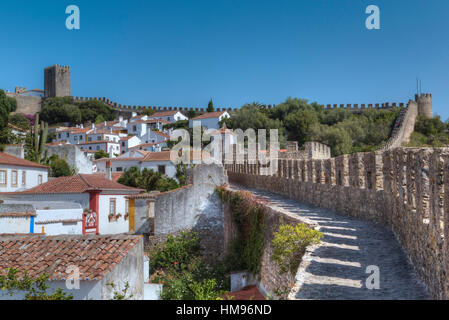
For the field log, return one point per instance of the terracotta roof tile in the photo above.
(209, 115)
(38, 254)
(78, 184)
(163, 114)
(17, 214)
(11, 160)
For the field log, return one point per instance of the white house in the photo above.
(142, 127)
(151, 147)
(110, 147)
(103, 200)
(129, 142)
(98, 260)
(157, 161)
(18, 174)
(154, 137)
(72, 135)
(169, 116)
(210, 120)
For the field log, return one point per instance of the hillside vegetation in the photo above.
(430, 133)
(297, 120)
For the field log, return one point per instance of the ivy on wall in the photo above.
(247, 248)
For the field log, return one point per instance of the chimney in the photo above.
(108, 170)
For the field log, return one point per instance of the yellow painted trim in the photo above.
(132, 215)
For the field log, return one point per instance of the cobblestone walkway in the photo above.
(336, 269)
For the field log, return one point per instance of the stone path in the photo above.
(336, 269)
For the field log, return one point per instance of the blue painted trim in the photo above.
(31, 224)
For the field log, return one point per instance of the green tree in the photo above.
(147, 179)
(34, 288)
(99, 119)
(100, 154)
(59, 167)
(7, 105)
(20, 121)
(210, 106)
(191, 114)
(300, 125)
(148, 112)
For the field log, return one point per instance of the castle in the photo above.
(57, 83)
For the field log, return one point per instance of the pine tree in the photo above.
(210, 106)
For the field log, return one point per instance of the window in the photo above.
(98, 147)
(89, 139)
(98, 138)
(123, 144)
(39, 179)
(3, 178)
(14, 178)
(24, 178)
(134, 128)
(68, 134)
(119, 169)
(59, 135)
(161, 169)
(126, 206)
(112, 206)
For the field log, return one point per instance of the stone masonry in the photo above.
(405, 189)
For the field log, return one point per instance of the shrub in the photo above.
(179, 265)
(290, 244)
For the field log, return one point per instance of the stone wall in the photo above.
(27, 104)
(406, 189)
(195, 206)
(312, 150)
(270, 278)
(404, 126)
(74, 157)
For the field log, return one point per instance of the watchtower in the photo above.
(57, 81)
(424, 104)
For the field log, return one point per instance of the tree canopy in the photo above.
(7, 105)
(147, 179)
(296, 119)
(64, 109)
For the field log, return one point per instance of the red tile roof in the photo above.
(209, 115)
(96, 142)
(163, 114)
(14, 161)
(151, 121)
(77, 184)
(145, 145)
(95, 256)
(162, 134)
(17, 214)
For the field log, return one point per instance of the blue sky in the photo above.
(181, 53)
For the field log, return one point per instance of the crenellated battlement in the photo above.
(362, 107)
(121, 107)
(351, 107)
(406, 189)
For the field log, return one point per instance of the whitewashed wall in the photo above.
(52, 221)
(32, 175)
(120, 225)
(15, 224)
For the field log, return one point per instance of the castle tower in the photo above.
(424, 104)
(57, 81)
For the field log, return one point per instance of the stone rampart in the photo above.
(406, 189)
